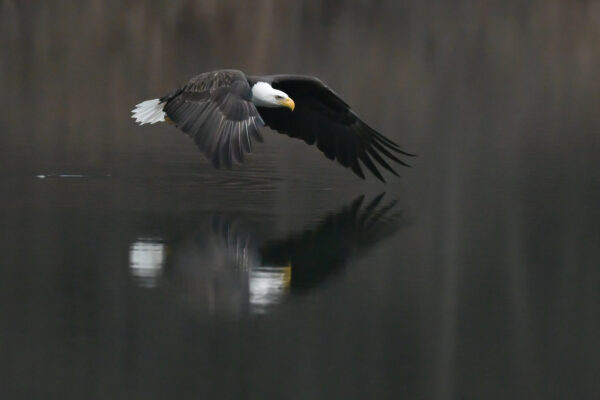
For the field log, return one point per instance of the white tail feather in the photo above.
(149, 112)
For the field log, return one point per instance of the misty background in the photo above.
(130, 268)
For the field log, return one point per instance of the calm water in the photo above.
(130, 268)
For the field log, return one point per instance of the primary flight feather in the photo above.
(224, 110)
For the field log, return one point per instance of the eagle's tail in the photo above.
(149, 112)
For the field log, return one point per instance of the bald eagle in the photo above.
(224, 110)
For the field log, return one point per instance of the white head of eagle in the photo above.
(263, 95)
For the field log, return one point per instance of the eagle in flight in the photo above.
(224, 110)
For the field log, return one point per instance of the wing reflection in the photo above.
(226, 268)
(319, 252)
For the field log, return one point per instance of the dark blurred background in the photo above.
(130, 268)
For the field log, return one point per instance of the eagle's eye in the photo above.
(278, 97)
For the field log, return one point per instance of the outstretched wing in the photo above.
(216, 110)
(321, 117)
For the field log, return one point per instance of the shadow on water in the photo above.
(229, 268)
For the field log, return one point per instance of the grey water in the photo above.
(131, 269)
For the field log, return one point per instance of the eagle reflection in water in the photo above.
(228, 269)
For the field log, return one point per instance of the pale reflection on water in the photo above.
(268, 285)
(146, 261)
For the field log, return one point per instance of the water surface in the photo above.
(132, 269)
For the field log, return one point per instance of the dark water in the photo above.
(132, 269)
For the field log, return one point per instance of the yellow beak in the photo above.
(289, 103)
